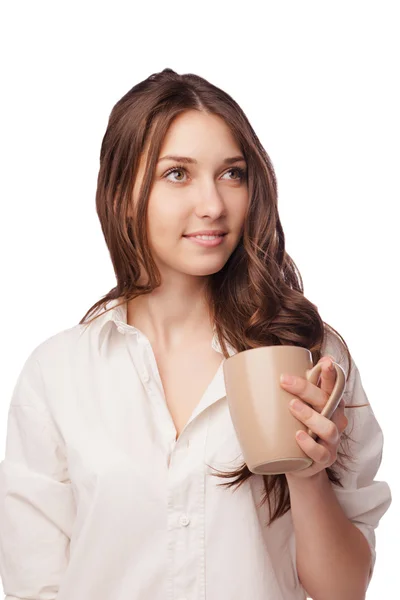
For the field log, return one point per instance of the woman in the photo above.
(119, 427)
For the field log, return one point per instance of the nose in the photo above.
(210, 203)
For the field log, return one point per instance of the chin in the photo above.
(204, 270)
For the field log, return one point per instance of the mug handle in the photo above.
(333, 401)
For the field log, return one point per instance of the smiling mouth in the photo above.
(206, 241)
(206, 236)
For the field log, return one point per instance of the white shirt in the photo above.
(99, 502)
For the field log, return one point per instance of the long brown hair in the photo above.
(257, 298)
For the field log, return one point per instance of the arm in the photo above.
(362, 501)
(333, 557)
(36, 501)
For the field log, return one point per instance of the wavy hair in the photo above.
(257, 298)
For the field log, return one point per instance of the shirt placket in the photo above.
(185, 483)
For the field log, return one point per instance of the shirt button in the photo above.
(145, 375)
(121, 329)
(184, 520)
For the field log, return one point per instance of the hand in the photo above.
(323, 452)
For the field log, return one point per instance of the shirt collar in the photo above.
(117, 317)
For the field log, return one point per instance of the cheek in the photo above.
(166, 221)
(238, 208)
(244, 205)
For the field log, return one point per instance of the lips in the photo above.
(197, 234)
(206, 232)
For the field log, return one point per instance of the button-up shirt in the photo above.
(99, 501)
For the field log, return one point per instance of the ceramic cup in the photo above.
(259, 406)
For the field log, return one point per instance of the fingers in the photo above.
(324, 428)
(328, 374)
(322, 452)
(309, 392)
(318, 452)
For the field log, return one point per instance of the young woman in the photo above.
(119, 430)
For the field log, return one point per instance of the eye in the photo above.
(242, 172)
(177, 168)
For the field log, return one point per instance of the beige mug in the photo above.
(259, 406)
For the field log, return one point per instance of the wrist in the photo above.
(303, 483)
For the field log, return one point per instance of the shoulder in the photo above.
(77, 343)
(60, 343)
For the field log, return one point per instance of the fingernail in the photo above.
(296, 404)
(287, 378)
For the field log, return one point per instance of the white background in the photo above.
(319, 83)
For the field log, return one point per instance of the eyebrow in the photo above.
(189, 160)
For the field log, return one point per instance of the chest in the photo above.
(185, 377)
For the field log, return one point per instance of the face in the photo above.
(205, 194)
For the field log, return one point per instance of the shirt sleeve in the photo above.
(363, 498)
(36, 500)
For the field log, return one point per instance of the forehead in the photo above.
(203, 137)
